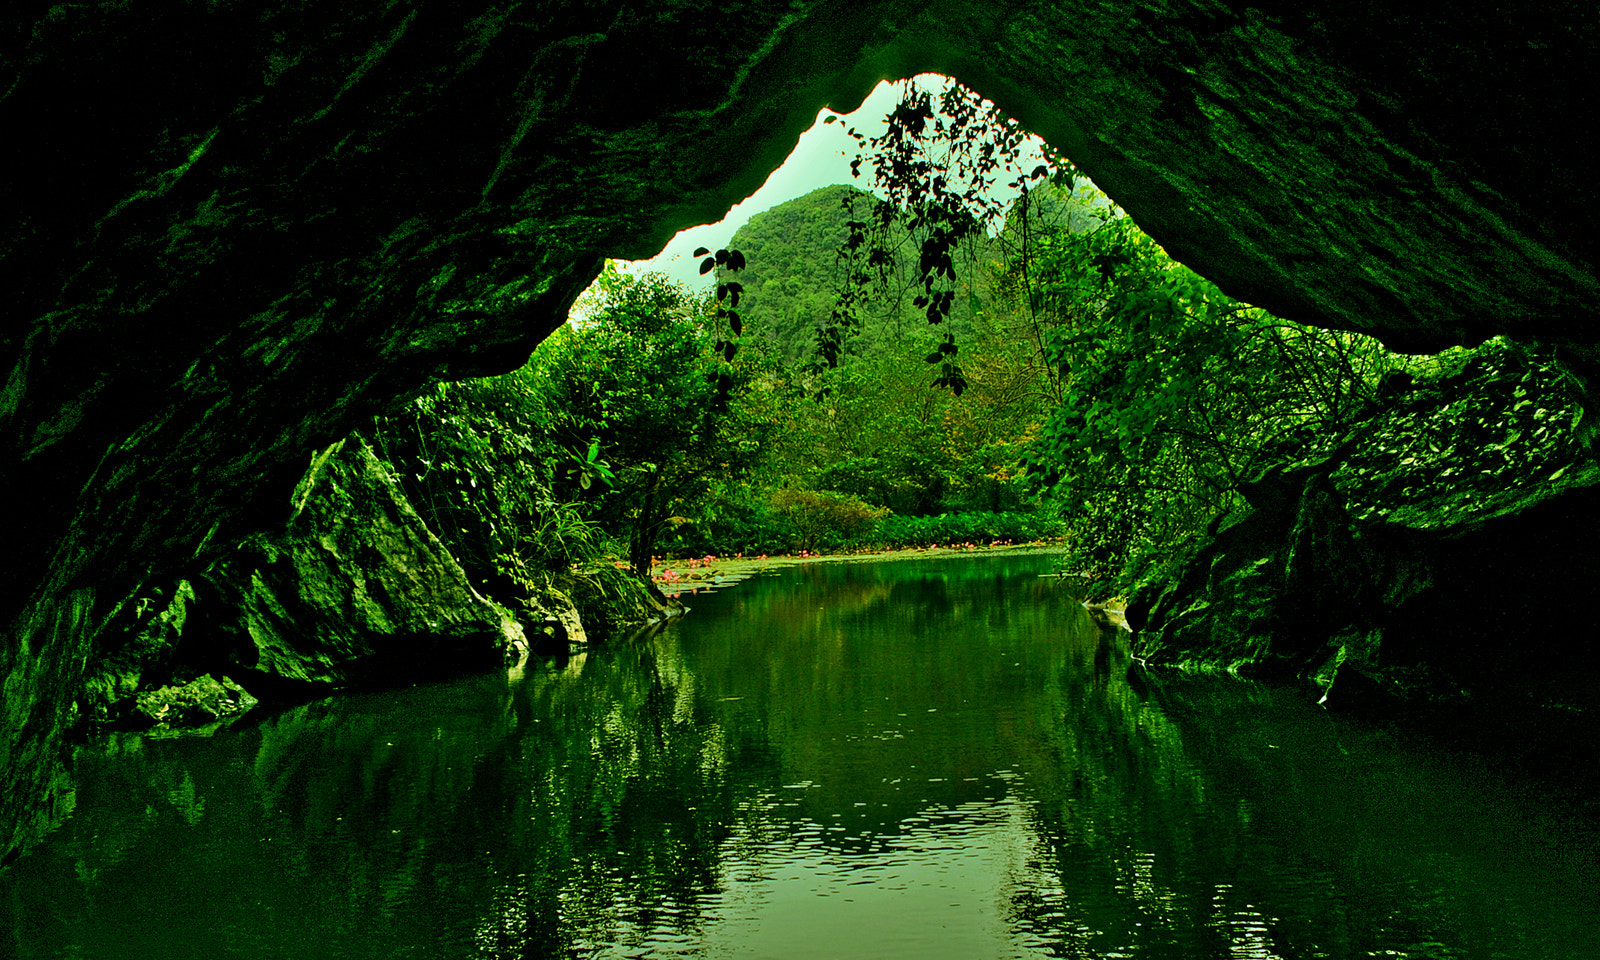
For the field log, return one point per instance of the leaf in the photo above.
(707, 265)
(735, 323)
(829, 118)
(699, 252)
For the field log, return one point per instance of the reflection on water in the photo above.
(919, 759)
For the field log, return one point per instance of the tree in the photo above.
(640, 386)
(1173, 394)
(1163, 394)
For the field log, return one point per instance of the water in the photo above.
(919, 759)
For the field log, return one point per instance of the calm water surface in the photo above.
(922, 759)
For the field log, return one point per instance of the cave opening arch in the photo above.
(208, 281)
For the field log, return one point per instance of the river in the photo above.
(922, 759)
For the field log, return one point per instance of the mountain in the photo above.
(794, 275)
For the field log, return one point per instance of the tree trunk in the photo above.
(644, 532)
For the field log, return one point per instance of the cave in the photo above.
(234, 231)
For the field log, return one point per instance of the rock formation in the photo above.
(1436, 559)
(354, 590)
(231, 232)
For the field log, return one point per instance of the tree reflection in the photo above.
(870, 736)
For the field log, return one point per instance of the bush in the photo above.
(743, 520)
(733, 520)
(825, 520)
(968, 527)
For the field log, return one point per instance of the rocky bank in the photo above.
(1440, 557)
(355, 590)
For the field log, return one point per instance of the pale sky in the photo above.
(822, 157)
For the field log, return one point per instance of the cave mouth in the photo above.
(820, 158)
(220, 279)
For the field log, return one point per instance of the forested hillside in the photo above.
(794, 275)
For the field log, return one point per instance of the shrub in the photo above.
(825, 520)
(733, 520)
(967, 527)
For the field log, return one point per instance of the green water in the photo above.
(930, 759)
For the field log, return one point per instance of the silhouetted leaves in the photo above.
(727, 296)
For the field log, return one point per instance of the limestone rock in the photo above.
(1372, 578)
(354, 589)
(611, 599)
(136, 651)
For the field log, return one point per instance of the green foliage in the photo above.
(734, 518)
(644, 382)
(1078, 381)
(795, 277)
(968, 527)
(616, 427)
(1173, 395)
(824, 519)
(475, 460)
(1151, 396)
(880, 434)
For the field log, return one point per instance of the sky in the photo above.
(822, 157)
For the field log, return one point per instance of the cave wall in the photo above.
(232, 231)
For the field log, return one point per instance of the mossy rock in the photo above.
(1375, 575)
(611, 598)
(202, 701)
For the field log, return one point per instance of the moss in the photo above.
(201, 702)
(1407, 566)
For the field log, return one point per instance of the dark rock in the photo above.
(591, 604)
(611, 598)
(354, 589)
(1384, 589)
(136, 651)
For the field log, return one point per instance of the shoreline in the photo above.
(703, 574)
